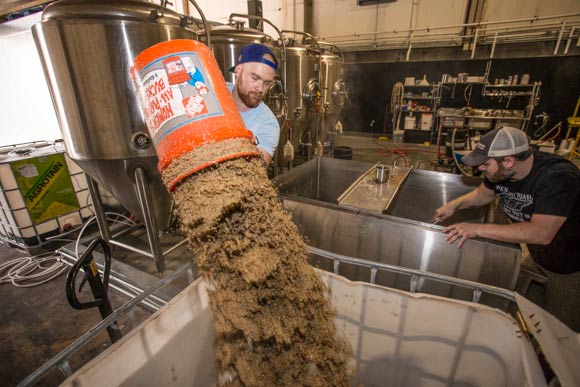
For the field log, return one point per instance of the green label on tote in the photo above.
(46, 187)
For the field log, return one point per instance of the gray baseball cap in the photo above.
(500, 142)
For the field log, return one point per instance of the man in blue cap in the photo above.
(255, 70)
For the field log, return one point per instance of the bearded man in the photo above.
(540, 194)
(255, 70)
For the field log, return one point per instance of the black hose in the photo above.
(203, 19)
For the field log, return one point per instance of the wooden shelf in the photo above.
(418, 111)
(510, 94)
(507, 86)
(464, 83)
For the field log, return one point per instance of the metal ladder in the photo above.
(574, 122)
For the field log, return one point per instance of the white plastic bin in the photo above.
(17, 224)
(398, 339)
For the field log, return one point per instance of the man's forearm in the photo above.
(511, 233)
(540, 231)
(476, 198)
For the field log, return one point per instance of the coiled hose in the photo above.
(29, 271)
(457, 163)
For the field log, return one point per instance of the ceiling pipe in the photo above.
(480, 24)
(203, 19)
(309, 16)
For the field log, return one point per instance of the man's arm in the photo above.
(266, 157)
(263, 124)
(540, 230)
(476, 198)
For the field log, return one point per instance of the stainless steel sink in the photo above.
(423, 192)
(484, 113)
(480, 113)
(509, 113)
(418, 196)
(402, 235)
(450, 112)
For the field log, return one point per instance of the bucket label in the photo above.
(46, 187)
(174, 90)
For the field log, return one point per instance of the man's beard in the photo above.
(250, 99)
(502, 175)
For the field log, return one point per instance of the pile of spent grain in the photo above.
(273, 321)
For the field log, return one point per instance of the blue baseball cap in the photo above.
(255, 52)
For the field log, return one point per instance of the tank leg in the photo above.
(150, 223)
(99, 209)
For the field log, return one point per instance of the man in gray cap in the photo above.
(540, 194)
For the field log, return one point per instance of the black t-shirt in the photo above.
(551, 188)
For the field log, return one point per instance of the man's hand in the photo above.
(476, 198)
(445, 211)
(461, 232)
(266, 157)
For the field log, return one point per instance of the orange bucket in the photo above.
(187, 106)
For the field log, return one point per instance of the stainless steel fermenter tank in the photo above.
(228, 40)
(304, 95)
(87, 48)
(316, 91)
(334, 91)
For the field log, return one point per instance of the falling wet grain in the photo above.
(273, 322)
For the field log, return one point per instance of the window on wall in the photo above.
(373, 2)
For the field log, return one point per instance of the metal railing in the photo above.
(416, 275)
(61, 361)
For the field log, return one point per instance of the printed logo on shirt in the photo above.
(515, 204)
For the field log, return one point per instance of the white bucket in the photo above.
(426, 121)
(410, 122)
(398, 136)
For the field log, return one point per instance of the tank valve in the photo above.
(141, 140)
(155, 14)
(318, 150)
(297, 112)
(288, 153)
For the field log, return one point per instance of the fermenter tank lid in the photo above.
(111, 9)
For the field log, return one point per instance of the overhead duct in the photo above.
(255, 9)
(309, 16)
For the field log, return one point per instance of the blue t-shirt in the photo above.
(263, 124)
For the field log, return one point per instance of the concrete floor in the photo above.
(375, 149)
(372, 149)
(37, 322)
